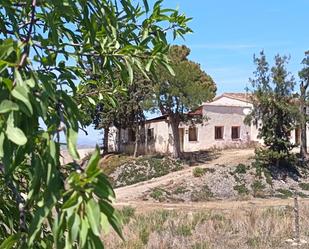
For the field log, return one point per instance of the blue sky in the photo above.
(227, 34)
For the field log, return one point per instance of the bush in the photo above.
(158, 194)
(240, 169)
(241, 189)
(257, 188)
(198, 172)
(204, 194)
(304, 186)
(285, 193)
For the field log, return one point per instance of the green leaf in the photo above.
(74, 223)
(72, 140)
(20, 92)
(84, 227)
(91, 100)
(103, 188)
(93, 214)
(1, 144)
(93, 162)
(72, 201)
(146, 5)
(7, 106)
(51, 197)
(112, 216)
(10, 241)
(169, 68)
(15, 134)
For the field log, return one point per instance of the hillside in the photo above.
(228, 174)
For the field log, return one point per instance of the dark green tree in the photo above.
(274, 109)
(181, 92)
(43, 48)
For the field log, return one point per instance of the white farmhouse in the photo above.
(222, 127)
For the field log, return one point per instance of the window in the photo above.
(235, 132)
(192, 134)
(131, 135)
(219, 132)
(150, 134)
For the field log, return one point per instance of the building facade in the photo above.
(222, 127)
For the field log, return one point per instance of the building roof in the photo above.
(156, 119)
(245, 97)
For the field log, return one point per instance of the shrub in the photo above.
(158, 194)
(241, 189)
(198, 172)
(304, 186)
(204, 194)
(180, 190)
(257, 188)
(285, 193)
(240, 169)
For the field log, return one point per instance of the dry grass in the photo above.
(251, 228)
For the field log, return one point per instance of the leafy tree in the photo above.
(274, 108)
(179, 93)
(126, 112)
(43, 47)
(304, 76)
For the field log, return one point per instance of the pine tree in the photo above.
(177, 94)
(274, 109)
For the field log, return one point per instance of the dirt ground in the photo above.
(136, 191)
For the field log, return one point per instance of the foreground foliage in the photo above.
(44, 49)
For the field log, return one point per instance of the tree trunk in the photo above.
(105, 140)
(174, 122)
(303, 122)
(137, 138)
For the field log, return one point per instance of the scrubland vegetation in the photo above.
(210, 229)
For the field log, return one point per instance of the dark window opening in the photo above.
(297, 136)
(235, 132)
(131, 135)
(219, 132)
(192, 134)
(150, 134)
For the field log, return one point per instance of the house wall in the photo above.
(161, 143)
(226, 116)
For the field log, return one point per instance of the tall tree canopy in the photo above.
(274, 109)
(181, 92)
(44, 48)
(304, 84)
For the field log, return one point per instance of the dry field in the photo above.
(241, 228)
